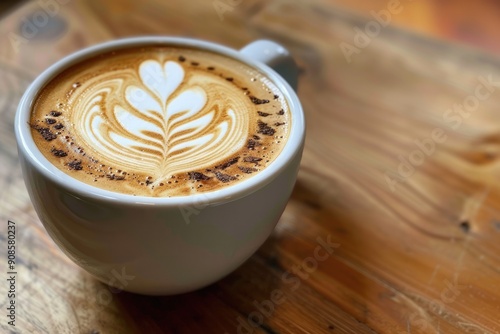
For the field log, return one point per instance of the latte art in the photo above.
(160, 121)
(161, 125)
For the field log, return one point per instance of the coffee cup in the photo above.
(163, 245)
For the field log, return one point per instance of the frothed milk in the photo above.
(160, 121)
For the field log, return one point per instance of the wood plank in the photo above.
(422, 258)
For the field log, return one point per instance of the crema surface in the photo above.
(160, 121)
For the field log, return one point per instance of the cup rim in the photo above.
(27, 147)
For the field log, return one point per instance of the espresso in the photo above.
(160, 121)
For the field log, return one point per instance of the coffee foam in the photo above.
(161, 121)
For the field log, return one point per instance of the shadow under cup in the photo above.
(153, 245)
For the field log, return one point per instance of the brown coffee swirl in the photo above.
(160, 121)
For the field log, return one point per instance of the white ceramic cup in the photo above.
(163, 246)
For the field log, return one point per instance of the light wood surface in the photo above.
(471, 23)
(423, 257)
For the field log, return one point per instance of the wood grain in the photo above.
(422, 258)
(461, 21)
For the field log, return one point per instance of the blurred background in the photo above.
(472, 23)
(468, 22)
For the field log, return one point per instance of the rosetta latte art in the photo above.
(159, 120)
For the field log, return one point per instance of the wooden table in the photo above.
(400, 175)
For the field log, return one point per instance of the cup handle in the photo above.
(275, 56)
